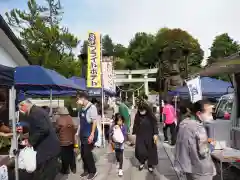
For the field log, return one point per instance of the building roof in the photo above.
(227, 65)
(7, 30)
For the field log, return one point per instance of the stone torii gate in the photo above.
(125, 77)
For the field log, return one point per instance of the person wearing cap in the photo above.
(88, 134)
(43, 138)
(66, 133)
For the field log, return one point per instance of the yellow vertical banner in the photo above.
(94, 79)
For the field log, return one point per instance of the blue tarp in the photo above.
(91, 91)
(210, 88)
(81, 82)
(6, 76)
(78, 81)
(46, 93)
(39, 78)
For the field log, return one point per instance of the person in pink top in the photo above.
(169, 121)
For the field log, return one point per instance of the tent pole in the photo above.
(103, 119)
(12, 94)
(51, 109)
(175, 103)
(102, 93)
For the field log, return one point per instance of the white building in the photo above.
(12, 53)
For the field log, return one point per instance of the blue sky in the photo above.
(121, 19)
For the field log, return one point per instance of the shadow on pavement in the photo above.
(152, 176)
(61, 177)
(149, 176)
(134, 162)
(111, 158)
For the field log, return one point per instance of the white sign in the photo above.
(108, 75)
(3, 173)
(195, 90)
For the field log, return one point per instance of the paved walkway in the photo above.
(107, 167)
(229, 173)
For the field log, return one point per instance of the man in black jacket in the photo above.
(42, 138)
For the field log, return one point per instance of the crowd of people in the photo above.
(64, 140)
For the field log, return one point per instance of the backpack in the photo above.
(117, 135)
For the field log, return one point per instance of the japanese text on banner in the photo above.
(195, 89)
(94, 60)
(108, 76)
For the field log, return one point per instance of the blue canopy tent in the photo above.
(33, 78)
(91, 91)
(30, 78)
(46, 93)
(81, 82)
(211, 87)
(39, 78)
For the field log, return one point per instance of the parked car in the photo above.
(224, 106)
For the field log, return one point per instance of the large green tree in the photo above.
(84, 49)
(107, 45)
(139, 52)
(119, 51)
(47, 43)
(119, 63)
(223, 45)
(119, 55)
(180, 54)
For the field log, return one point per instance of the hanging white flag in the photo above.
(3, 173)
(195, 90)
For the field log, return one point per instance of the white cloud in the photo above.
(121, 19)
